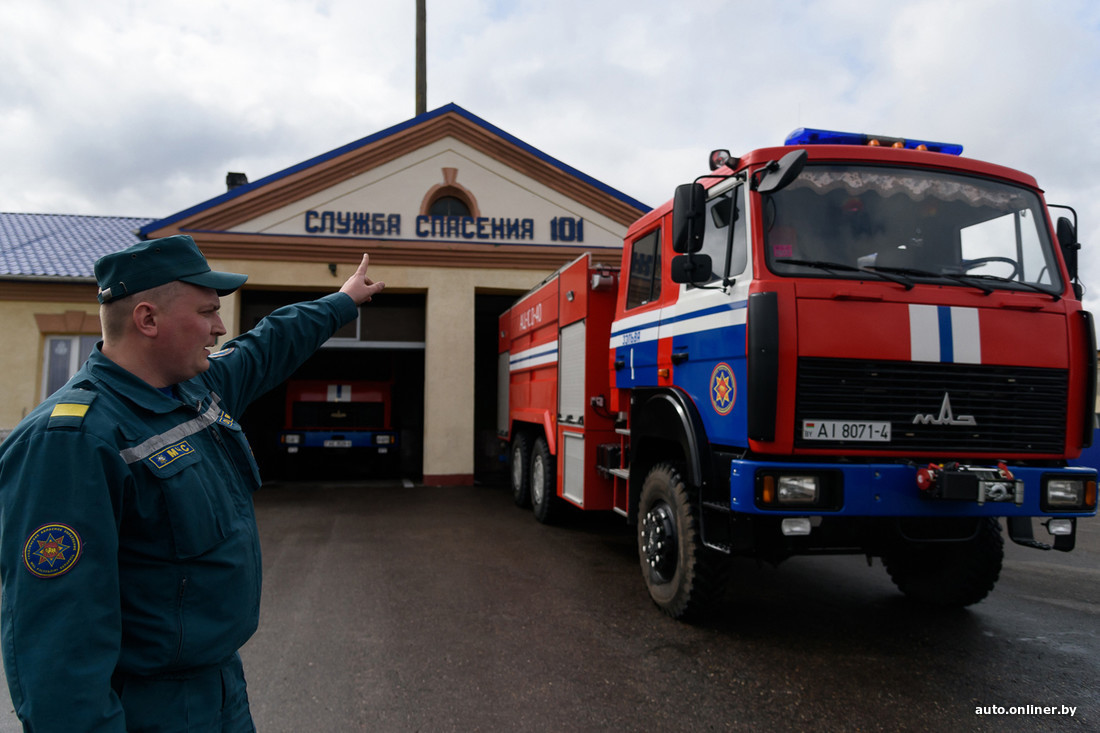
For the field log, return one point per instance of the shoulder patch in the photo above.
(224, 352)
(52, 550)
(71, 408)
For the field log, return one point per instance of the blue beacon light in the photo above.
(811, 136)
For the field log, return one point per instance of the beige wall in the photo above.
(22, 355)
(449, 349)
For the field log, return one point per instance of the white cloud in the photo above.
(140, 107)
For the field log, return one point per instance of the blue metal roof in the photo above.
(240, 190)
(62, 245)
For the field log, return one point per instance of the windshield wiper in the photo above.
(916, 272)
(973, 281)
(834, 267)
(1031, 286)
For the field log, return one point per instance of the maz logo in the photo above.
(946, 416)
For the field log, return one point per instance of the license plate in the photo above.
(337, 443)
(846, 430)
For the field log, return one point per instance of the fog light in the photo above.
(1065, 492)
(795, 526)
(798, 490)
(1060, 526)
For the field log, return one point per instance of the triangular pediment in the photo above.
(380, 189)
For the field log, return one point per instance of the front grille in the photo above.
(339, 415)
(1015, 409)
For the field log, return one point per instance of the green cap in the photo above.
(157, 262)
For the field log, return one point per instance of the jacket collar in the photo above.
(144, 395)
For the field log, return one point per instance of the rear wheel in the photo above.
(949, 573)
(520, 465)
(683, 577)
(544, 498)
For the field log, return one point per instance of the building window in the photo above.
(448, 206)
(64, 356)
(449, 198)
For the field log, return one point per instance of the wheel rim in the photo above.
(659, 542)
(537, 476)
(517, 468)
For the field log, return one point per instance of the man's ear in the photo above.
(145, 318)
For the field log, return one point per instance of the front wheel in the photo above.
(683, 577)
(949, 573)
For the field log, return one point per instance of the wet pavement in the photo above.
(399, 608)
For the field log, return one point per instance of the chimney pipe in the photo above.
(233, 180)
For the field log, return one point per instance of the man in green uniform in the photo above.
(129, 554)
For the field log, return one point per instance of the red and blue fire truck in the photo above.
(845, 344)
(338, 416)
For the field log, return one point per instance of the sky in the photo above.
(140, 107)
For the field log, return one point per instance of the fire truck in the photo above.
(337, 416)
(847, 344)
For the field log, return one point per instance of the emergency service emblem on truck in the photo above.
(816, 348)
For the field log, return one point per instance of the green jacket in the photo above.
(128, 540)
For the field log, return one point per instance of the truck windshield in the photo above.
(907, 226)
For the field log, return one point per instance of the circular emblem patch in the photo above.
(723, 389)
(52, 550)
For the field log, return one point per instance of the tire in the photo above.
(949, 574)
(683, 577)
(544, 497)
(519, 469)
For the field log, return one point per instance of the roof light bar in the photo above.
(810, 136)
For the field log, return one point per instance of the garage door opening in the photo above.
(355, 409)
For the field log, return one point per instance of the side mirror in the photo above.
(1067, 234)
(1067, 238)
(688, 206)
(779, 174)
(691, 268)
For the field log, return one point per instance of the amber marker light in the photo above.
(767, 494)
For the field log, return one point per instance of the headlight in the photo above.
(819, 489)
(797, 489)
(383, 440)
(1068, 493)
(1064, 492)
(292, 439)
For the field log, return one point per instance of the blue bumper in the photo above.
(891, 490)
(381, 440)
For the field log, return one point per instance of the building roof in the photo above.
(61, 245)
(378, 137)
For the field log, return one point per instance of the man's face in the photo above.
(189, 325)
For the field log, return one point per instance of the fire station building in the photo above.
(458, 217)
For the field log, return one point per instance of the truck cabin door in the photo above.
(634, 336)
(707, 324)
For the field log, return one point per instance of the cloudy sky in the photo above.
(140, 107)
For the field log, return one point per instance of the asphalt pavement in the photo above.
(391, 607)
